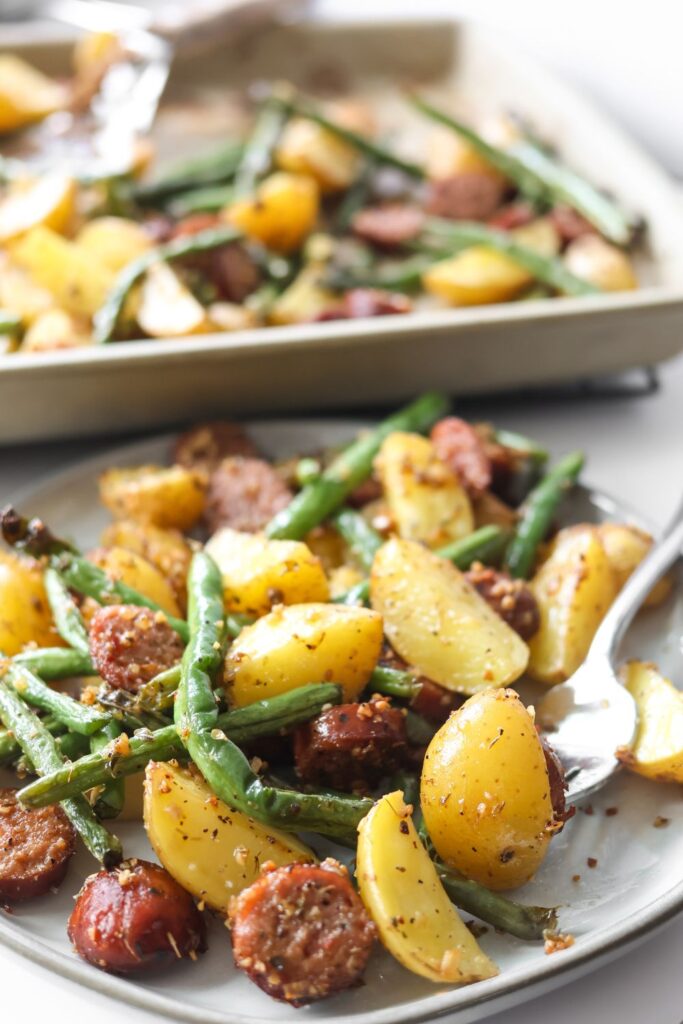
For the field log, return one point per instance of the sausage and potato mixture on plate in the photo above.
(315, 670)
(311, 213)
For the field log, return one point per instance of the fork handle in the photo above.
(661, 557)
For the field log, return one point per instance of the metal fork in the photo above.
(591, 715)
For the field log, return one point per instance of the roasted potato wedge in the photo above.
(76, 280)
(478, 276)
(606, 266)
(657, 751)
(167, 308)
(166, 496)
(306, 148)
(304, 299)
(485, 793)
(211, 849)
(626, 547)
(55, 329)
(437, 622)
(259, 573)
(281, 213)
(166, 549)
(138, 573)
(26, 94)
(114, 241)
(425, 498)
(403, 894)
(574, 587)
(304, 643)
(49, 201)
(25, 615)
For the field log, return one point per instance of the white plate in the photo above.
(635, 887)
(364, 362)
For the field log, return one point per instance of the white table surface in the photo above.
(635, 450)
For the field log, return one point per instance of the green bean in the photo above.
(394, 682)
(257, 155)
(75, 716)
(355, 198)
(520, 920)
(72, 745)
(269, 717)
(55, 662)
(307, 471)
(68, 619)
(483, 545)
(106, 319)
(213, 168)
(85, 578)
(419, 730)
(360, 536)
(10, 323)
(10, 749)
(220, 761)
(562, 185)
(40, 748)
(390, 275)
(158, 694)
(111, 798)
(537, 513)
(541, 178)
(549, 269)
(210, 199)
(378, 153)
(521, 443)
(321, 498)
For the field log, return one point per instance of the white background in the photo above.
(629, 56)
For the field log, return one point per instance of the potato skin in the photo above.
(437, 622)
(573, 588)
(259, 573)
(25, 615)
(485, 791)
(304, 643)
(167, 496)
(181, 815)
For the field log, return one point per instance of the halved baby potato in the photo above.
(25, 615)
(574, 588)
(657, 751)
(77, 281)
(138, 573)
(48, 200)
(167, 496)
(426, 500)
(307, 148)
(165, 548)
(26, 94)
(304, 643)
(626, 547)
(211, 849)
(403, 894)
(477, 276)
(281, 213)
(114, 241)
(485, 792)
(167, 308)
(259, 573)
(438, 623)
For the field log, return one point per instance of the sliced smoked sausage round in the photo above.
(35, 847)
(301, 932)
(135, 917)
(130, 645)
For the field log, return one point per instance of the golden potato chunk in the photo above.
(25, 615)
(478, 276)
(438, 623)
(657, 751)
(304, 643)
(259, 573)
(593, 259)
(114, 241)
(49, 201)
(485, 792)
(26, 94)
(426, 500)
(166, 549)
(403, 894)
(167, 496)
(574, 588)
(75, 279)
(626, 547)
(138, 573)
(211, 849)
(281, 213)
(307, 148)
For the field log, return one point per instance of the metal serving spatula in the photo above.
(591, 715)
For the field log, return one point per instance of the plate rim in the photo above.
(605, 943)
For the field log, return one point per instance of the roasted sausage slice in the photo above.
(558, 784)
(130, 645)
(351, 746)
(388, 226)
(459, 445)
(435, 702)
(513, 215)
(35, 847)
(135, 918)
(512, 599)
(244, 494)
(301, 932)
(465, 196)
(207, 444)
